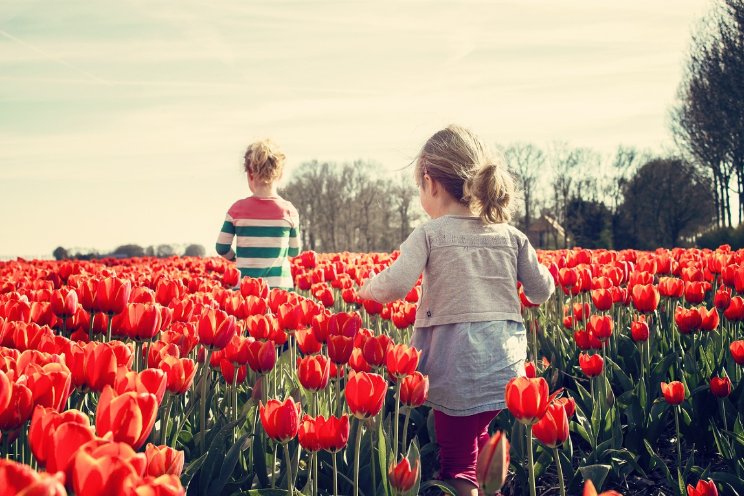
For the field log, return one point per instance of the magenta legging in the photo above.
(460, 440)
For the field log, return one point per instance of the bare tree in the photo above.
(527, 162)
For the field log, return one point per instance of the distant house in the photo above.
(546, 233)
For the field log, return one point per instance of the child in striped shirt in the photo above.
(266, 225)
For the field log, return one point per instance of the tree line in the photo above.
(131, 250)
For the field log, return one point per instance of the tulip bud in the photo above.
(493, 464)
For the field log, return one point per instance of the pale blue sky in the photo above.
(126, 121)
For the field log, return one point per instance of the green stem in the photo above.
(530, 462)
(396, 420)
(290, 481)
(557, 457)
(108, 327)
(723, 413)
(165, 419)
(203, 402)
(405, 428)
(315, 474)
(679, 441)
(90, 326)
(335, 475)
(337, 385)
(356, 457)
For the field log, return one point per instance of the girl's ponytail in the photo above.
(491, 193)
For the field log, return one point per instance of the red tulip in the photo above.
(568, 403)
(19, 408)
(674, 392)
(280, 421)
(414, 389)
(340, 348)
(152, 381)
(112, 295)
(232, 373)
(129, 417)
(527, 399)
(722, 298)
(365, 394)
(163, 460)
(64, 302)
(735, 310)
(261, 356)
(601, 326)
(709, 319)
(687, 319)
(602, 299)
(64, 442)
(107, 468)
(307, 434)
(375, 349)
(720, 387)
(44, 423)
(6, 391)
(306, 341)
(737, 351)
(344, 324)
(645, 297)
(695, 292)
(357, 361)
(401, 360)
(493, 463)
(21, 480)
(552, 428)
(703, 488)
(216, 328)
(142, 321)
(402, 476)
(671, 287)
(180, 373)
(165, 485)
(313, 372)
(333, 432)
(591, 365)
(639, 330)
(254, 287)
(100, 365)
(50, 385)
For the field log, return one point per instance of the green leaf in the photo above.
(625, 382)
(445, 488)
(414, 458)
(228, 465)
(383, 455)
(657, 460)
(192, 468)
(597, 474)
(266, 492)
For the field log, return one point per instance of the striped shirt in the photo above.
(267, 231)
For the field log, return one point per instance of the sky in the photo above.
(126, 122)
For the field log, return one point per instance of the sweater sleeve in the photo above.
(225, 239)
(397, 280)
(536, 280)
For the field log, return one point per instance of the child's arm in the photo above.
(537, 282)
(225, 239)
(397, 280)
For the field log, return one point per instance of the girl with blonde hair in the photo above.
(266, 226)
(468, 321)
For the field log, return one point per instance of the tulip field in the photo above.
(177, 376)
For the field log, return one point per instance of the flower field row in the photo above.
(151, 376)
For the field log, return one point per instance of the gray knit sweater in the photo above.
(470, 272)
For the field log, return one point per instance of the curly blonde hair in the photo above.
(264, 160)
(457, 159)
